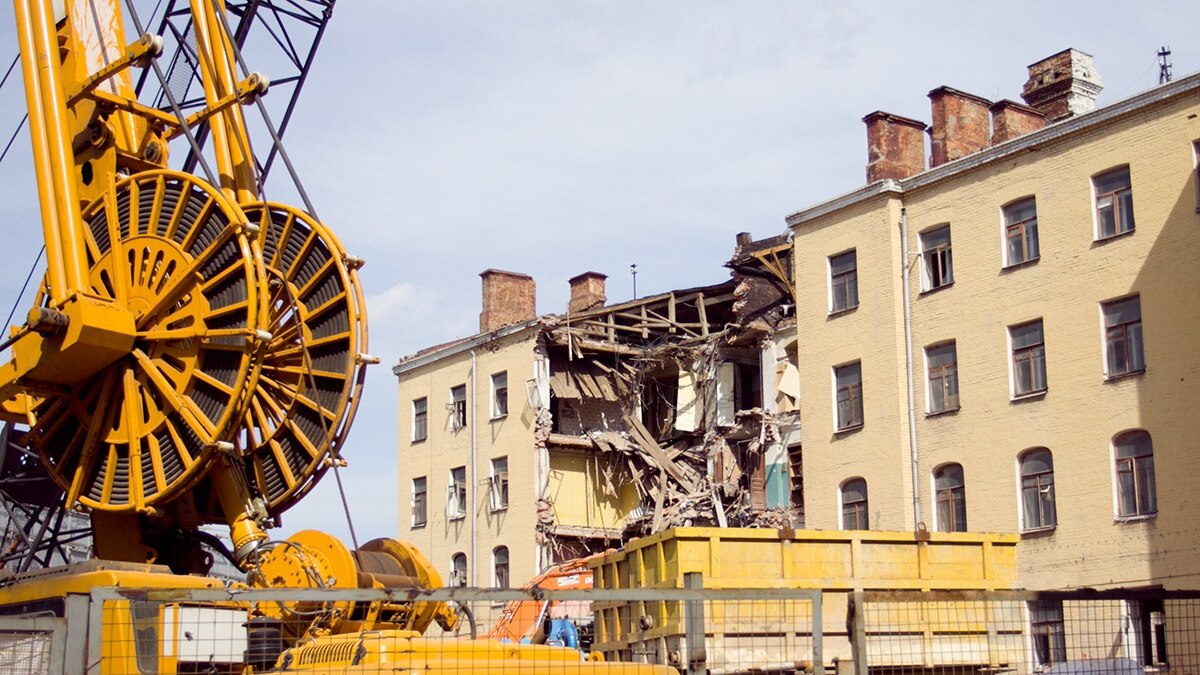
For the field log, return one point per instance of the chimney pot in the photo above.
(895, 146)
(508, 298)
(587, 292)
(960, 124)
(1063, 85)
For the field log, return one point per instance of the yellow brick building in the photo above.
(1006, 341)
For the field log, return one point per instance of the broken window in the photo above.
(1046, 631)
(659, 400)
(498, 484)
(458, 570)
(1037, 490)
(456, 494)
(499, 394)
(748, 378)
(458, 407)
(500, 566)
(1149, 619)
(938, 266)
(796, 470)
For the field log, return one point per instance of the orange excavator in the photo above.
(542, 621)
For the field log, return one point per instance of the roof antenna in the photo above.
(1164, 65)
(633, 271)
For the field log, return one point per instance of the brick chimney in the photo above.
(1011, 119)
(508, 298)
(587, 292)
(961, 125)
(1063, 85)
(895, 146)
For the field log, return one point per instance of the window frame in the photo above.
(1196, 171)
(1047, 631)
(942, 253)
(501, 569)
(458, 407)
(420, 419)
(456, 494)
(1114, 332)
(457, 570)
(1041, 482)
(1141, 472)
(853, 394)
(498, 484)
(857, 509)
(419, 516)
(947, 375)
(499, 395)
(950, 493)
(1026, 231)
(1116, 204)
(847, 299)
(1034, 354)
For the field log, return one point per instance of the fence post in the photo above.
(697, 657)
(856, 630)
(818, 634)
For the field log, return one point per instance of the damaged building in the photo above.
(558, 436)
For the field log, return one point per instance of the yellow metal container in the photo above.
(770, 633)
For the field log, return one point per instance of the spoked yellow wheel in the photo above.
(312, 371)
(177, 254)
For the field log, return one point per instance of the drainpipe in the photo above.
(908, 365)
(473, 485)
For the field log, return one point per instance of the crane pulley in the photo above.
(196, 353)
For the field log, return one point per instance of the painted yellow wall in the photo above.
(444, 449)
(577, 492)
(1081, 411)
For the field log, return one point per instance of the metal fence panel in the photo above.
(32, 645)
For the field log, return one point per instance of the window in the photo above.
(937, 266)
(848, 381)
(458, 407)
(1123, 337)
(1037, 490)
(1046, 631)
(951, 498)
(843, 281)
(1135, 475)
(1114, 203)
(1020, 232)
(420, 413)
(498, 484)
(420, 498)
(500, 394)
(1028, 358)
(942, 363)
(500, 564)
(458, 570)
(456, 494)
(854, 505)
(1196, 171)
(1149, 621)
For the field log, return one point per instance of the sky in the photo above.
(441, 138)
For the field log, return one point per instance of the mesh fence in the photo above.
(1122, 632)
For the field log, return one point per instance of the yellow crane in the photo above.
(195, 356)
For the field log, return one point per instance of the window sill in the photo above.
(1124, 376)
(1039, 531)
(1104, 240)
(942, 413)
(457, 518)
(935, 289)
(498, 418)
(499, 509)
(418, 526)
(1136, 518)
(846, 431)
(1012, 267)
(1031, 396)
(417, 441)
(841, 312)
